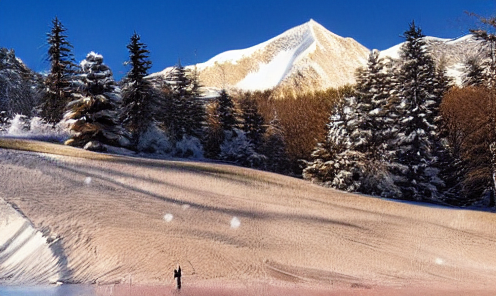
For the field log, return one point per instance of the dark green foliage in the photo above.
(59, 82)
(138, 96)
(184, 114)
(226, 112)
(417, 133)
(475, 75)
(253, 122)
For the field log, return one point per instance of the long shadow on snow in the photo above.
(233, 212)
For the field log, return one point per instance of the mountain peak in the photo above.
(305, 58)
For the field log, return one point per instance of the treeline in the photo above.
(162, 114)
(406, 133)
(403, 131)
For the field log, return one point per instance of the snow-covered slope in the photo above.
(453, 53)
(306, 57)
(26, 255)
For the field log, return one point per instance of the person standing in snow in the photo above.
(177, 276)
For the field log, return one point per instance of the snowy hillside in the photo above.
(123, 220)
(306, 57)
(453, 53)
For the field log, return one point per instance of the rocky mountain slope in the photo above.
(306, 57)
(450, 53)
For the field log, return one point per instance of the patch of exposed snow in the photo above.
(231, 56)
(392, 52)
(168, 217)
(468, 37)
(235, 223)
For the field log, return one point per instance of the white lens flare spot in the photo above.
(87, 181)
(439, 261)
(235, 223)
(168, 217)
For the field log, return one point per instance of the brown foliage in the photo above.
(303, 118)
(469, 117)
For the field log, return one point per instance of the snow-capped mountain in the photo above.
(450, 53)
(310, 57)
(306, 57)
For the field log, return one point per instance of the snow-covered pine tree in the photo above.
(138, 98)
(59, 82)
(476, 75)
(332, 162)
(236, 146)
(20, 87)
(185, 114)
(418, 130)
(368, 129)
(93, 113)
(274, 147)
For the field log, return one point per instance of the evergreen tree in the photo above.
(59, 81)
(226, 112)
(418, 132)
(253, 122)
(138, 97)
(367, 132)
(20, 87)
(476, 75)
(185, 114)
(332, 163)
(93, 113)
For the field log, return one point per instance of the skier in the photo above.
(177, 276)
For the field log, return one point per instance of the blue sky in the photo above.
(196, 30)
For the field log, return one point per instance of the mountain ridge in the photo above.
(309, 57)
(305, 58)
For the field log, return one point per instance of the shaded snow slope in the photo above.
(124, 219)
(26, 255)
(307, 57)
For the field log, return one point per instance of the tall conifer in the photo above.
(62, 68)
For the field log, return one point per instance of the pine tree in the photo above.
(418, 176)
(476, 75)
(185, 115)
(93, 113)
(138, 98)
(226, 112)
(20, 87)
(58, 83)
(253, 122)
(332, 163)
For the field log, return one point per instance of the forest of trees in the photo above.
(406, 132)
(403, 131)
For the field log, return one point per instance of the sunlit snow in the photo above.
(168, 217)
(235, 223)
